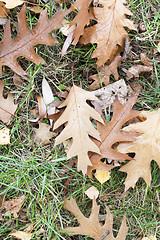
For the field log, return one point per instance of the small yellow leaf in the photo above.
(102, 176)
(22, 235)
(92, 192)
(4, 136)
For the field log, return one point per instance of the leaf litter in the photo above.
(103, 55)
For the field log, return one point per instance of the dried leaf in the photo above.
(105, 72)
(77, 116)
(4, 136)
(43, 134)
(80, 20)
(108, 94)
(22, 235)
(12, 3)
(134, 71)
(13, 206)
(91, 226)
(111, 133)
(102, 176)
(36, 9)
(146, 147)
(92, 192)
(145, 60)
(3, 10)
(47, 97)
(109, 30)
(23, 44)
(7, 106)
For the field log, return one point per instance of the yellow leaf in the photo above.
(12, 3)
(4, 136)
(102, 176)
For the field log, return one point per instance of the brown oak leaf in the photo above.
(135, 70)
(77, 116)
(105, 72)
(79, 22)
(146, 147)
(91, 226)
(7, 106)
(109, 30)
(112, 133)
(13, 206)
(23, 44)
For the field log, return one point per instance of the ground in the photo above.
(35, 171)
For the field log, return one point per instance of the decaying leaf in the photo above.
(21, 235)
(43, 134)
(4, 136)
(13, 206)
(102, 176)
(91, 226)
(108, 94)
(109, 30)
(7, 106)
(111, 133)
(23, 44)
(12, 3)
(134, 71)
(92, 192)
(77, 116)
(105, 72)
(146, 147)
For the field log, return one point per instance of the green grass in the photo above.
(35, 171)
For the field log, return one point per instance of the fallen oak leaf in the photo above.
(23, 44)
(105, 72)
(7, 106)
(134, 71)
(146, 148)
(78, 23)
(91, 226)
(109, 30)
(13, 206)
(112, 133)
(77, 116)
